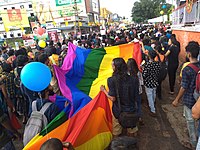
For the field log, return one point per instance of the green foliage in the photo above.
(147, 9)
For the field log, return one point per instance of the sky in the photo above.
(121, 7)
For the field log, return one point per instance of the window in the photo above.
(22, 6)
(32, 14)
(30, 6)
(5, 8)
(0, 18)
(11, 35)
(13, 7)
(5, 36)
(19, 34)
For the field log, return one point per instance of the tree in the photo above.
(147, 9)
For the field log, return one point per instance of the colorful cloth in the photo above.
(85, 70)
(90, 128)
(80, 77)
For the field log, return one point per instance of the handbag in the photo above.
(126, 119)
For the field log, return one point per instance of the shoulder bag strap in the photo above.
(117, 92)
(34, 106)
(195, 68)
(45, 107)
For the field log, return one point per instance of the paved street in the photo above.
(168, 130)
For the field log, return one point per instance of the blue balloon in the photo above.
(164, 6)
(36, 76)
(131, 32)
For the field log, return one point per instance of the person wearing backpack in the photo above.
(42, 112)
(188, 84)
(22, 103)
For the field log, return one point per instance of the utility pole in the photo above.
(76, 17)
(75, 9)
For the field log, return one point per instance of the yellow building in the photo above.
(104, 13)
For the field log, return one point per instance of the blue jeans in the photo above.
(151, 96)
(191, 126)
(8, 146)
(198, 144)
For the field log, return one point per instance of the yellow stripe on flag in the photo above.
(105, 69)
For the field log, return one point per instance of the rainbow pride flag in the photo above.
(88, 129)
(80, 77)
(85, 70)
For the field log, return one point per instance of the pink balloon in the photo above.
(40, 31)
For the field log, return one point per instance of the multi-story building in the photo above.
(105, 17)
(54, 14)
(13, 5)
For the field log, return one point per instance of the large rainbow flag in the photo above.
(80, 77)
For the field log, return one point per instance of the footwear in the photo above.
(172, 93)
(152, 114)
(132, 134)
(141, 122)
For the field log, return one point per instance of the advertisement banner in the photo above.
(39, 33)
(66, 2)
(45, 10)
(50, 10)
(53, 36)
(15, 18)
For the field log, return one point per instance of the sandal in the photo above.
(172, 93)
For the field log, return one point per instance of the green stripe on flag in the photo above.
(57, 121)
(91, 69)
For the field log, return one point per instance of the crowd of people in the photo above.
(160, 54)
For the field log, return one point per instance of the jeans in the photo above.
(8, 146)
(198, 144)
(151, 96)
(198, 129)
(191, 126)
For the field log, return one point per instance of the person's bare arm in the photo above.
(142, 46)
(179, 96)
(68, 145)
(102, 88)
(196, 110)
(167, 53)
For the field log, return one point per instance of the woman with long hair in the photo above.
(173, 61)
(133, 70)
(123, 92)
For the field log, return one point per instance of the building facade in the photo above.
(54, 14)
(8, 5)
(186, 23)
